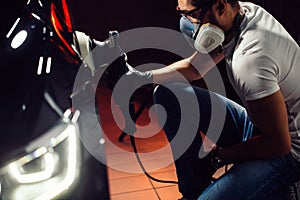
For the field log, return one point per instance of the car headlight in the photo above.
(50, 167)
(40, 167)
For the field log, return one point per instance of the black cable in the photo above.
(134, 115)
(132, 140)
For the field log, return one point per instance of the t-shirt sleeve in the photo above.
(257, 76)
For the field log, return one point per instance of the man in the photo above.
(262, 140)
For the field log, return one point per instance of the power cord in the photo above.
(132, 140)
(134, 116)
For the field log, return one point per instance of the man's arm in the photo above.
(270, 116)
(192, 68)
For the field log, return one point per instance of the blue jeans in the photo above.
(257, 179)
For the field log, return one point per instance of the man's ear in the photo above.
(221, 5)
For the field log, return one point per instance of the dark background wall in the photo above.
(97, 17)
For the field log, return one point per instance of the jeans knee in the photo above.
(169, 105)
(159, 94)
(163, 94)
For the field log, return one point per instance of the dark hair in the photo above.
(200, 3)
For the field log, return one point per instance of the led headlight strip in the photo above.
(71, 168)
(46, 153)
(14, 168)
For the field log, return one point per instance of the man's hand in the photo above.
(138, 76)
(115, 71)
(128, 83)
(122, 92)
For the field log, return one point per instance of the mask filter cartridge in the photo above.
(208, 38)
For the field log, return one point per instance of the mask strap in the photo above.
(195, 33)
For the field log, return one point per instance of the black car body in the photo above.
(41, 154)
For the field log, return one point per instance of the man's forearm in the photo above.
(178, 71)
(189, 69)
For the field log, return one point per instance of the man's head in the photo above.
(212, 18)
(218, 12)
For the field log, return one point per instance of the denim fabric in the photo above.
(249, 180)
(256, 180)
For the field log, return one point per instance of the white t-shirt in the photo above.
(264, 60)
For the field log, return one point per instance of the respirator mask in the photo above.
(207, 37)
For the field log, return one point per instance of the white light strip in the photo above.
(67, 113)
(48, 66)
(28, 158)
(44, 30)
(75, 116)
(36, 16)
(41, 60)
(40, 3)
(63, 135)
(71, 168)
(34, 177)
(13, 28)
(53, 104)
